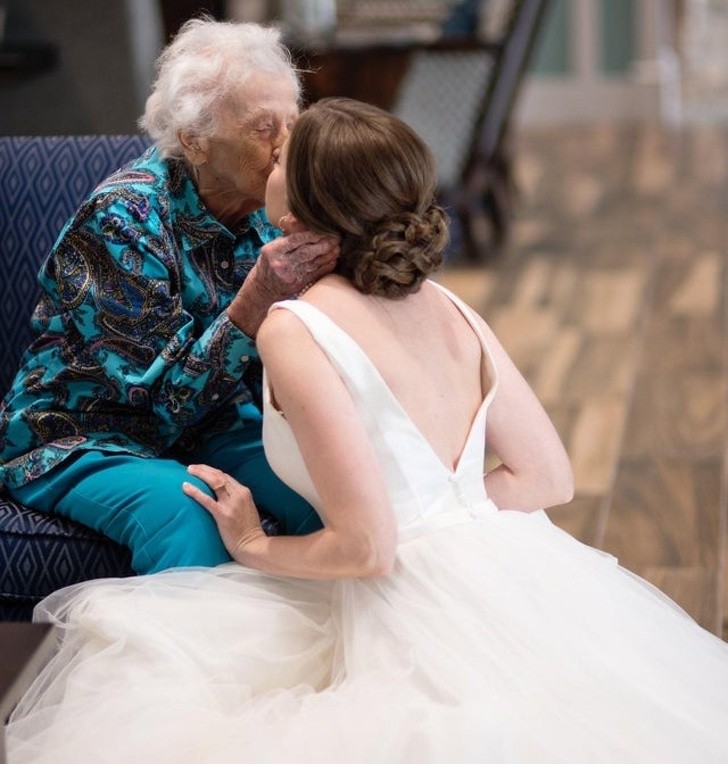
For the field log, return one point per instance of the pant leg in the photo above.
(137, 502)
(240, 454)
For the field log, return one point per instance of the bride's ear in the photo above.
(290, 224)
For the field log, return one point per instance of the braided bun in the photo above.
(400, 254)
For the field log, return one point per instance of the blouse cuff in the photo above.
(239, 348)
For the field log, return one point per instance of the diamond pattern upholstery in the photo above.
(42, 182)
(40, 553)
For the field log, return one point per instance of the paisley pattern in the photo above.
(132, 348)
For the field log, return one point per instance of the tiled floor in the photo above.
(611, 298)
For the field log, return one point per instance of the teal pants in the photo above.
(139, 502)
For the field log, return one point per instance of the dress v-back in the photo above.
(423, 490)
(498, 637)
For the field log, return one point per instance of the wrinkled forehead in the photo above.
(277, 94)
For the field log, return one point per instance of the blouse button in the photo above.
(245, 358)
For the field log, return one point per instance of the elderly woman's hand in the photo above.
(233, 508)
(285, 266)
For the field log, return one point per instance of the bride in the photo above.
(438, 615)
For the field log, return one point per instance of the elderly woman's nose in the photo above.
(283, 133)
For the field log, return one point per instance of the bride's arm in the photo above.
(359, 535)
(535, 471)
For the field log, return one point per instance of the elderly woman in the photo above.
(145, 354)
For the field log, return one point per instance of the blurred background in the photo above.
(83, 67)
(582, 149)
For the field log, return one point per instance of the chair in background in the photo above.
(459, 94)
(42, 182)
(456, 87)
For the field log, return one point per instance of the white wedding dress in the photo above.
(498, 638)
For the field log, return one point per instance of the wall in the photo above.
(97, 85)
(598, 59)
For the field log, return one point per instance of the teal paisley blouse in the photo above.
(133, 349)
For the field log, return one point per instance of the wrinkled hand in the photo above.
(233, 508)
(297, 259)
(290, 263)
(285, 266)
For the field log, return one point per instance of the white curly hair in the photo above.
(200, 69)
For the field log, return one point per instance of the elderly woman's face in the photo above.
(239, 159)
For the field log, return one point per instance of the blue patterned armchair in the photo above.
(42, 182)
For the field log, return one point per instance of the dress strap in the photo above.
(341, 349)
(352, 364)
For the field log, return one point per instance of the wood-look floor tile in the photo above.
(564, 416)
(654, 162)
(582, 196)
(507, 275)
(705, 145)
(676, 246)
(563, 285)
(683, 343)
(531, 232)
(472, 285)
(679, 414)
(594, 444)
(665, 514)
(531, 287)
(525, 332)
(605, 365)
(557, 364)
(529, 173)
(609, 249)
(605, 143)
(699, 294)
(611, 301)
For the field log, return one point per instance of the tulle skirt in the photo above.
(498, 640)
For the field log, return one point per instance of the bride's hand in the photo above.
(233, 508)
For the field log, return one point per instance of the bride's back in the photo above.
(425, 351)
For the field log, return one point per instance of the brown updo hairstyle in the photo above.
(359, 172)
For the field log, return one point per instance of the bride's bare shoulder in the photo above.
(281, 327)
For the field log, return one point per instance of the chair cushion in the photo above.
(40, 553)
